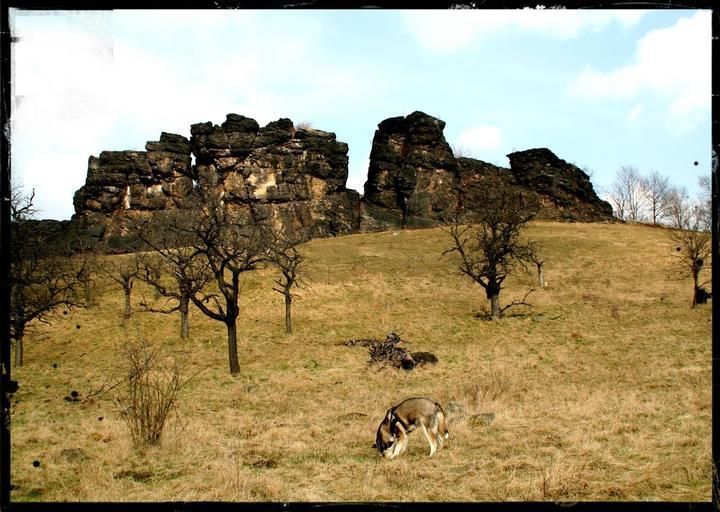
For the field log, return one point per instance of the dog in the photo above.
(391, 439)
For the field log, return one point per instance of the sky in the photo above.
(600, 88)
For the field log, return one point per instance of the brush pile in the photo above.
(389, 352)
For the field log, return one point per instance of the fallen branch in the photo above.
(519, 303)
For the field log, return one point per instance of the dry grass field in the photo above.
(601, 391)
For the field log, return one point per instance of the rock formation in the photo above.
(276, 173)
(297, 178)
(291, 177)
(412, 176)
(565, 190)
(415, 180)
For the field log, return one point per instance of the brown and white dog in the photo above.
(399, 421)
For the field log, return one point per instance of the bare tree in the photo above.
(693, 246)
(166, 237)
(488, 242)
(86, 261)
(625, 194)
(286, 257)
(705, 201)
(225, 242)
(617, 197)
(123, 269)
(459, 150)
(656, 191)
(679, 208)
(43, 278)
(148, 393)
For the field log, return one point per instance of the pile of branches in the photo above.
(389, 352)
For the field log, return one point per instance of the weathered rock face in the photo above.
(156, 179)
(412, 172)
(415, 180)
(297, 178)
(474, 176)
(276, 174)
(565, 190)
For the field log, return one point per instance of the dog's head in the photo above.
(386, 435)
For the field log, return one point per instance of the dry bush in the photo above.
(303, 125)
(149, 393)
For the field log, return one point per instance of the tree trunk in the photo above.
(232, 348)
(184, 321)
(540, 275)
(19, 350)
(126, 313)
(495, 306)
(88, 289)
(288, 305)
(695, 288)
(156, 276)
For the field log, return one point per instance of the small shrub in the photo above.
(303, 125)
(149, 392)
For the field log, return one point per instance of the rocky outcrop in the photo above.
(297, 178)
(474, 176)
(294, 178)
(565, 190)
(279, 174)
(156, 179)
(412, 175)
(415, 180)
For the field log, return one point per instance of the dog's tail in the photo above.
(441, 421)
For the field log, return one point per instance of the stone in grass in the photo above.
(482, 419)
(422, 358)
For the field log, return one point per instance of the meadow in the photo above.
(600, 391)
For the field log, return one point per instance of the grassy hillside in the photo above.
(601, 391)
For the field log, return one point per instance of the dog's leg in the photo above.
(433, 446)
(395, 450)
(403, 445)
(438, 439)
(400, 441)
(403, 438)
(435, 432)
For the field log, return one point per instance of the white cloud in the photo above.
(447, 31)
(89, 82)
(61, 109)
(477, 139)
(635, 113)
(672, 64)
